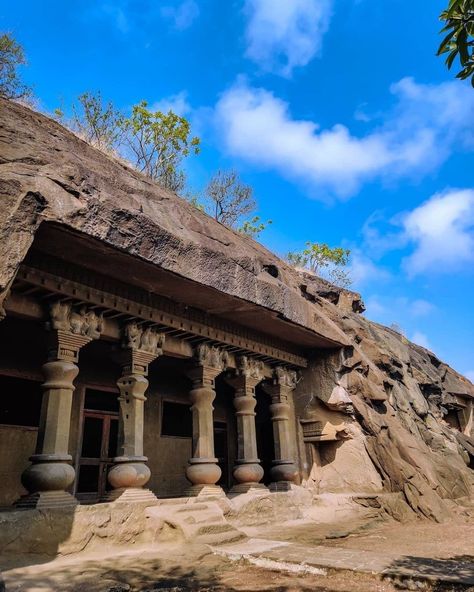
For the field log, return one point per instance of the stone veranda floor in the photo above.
(401, 555)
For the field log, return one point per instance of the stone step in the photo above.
(199, 522)
(221, 538)
(215, 528)
(193, 508)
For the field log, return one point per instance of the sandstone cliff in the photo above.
(405, 416)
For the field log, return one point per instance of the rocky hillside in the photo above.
(411, 411)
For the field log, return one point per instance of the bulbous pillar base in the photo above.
(248, 472)
(127, 479)
(129, 472)
(284, 474)
(46, 480)
(203, 473)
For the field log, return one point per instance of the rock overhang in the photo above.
(54, 183)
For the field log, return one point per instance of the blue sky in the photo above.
(337, 112)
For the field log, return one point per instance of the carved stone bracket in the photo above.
(285, 377)
(70, 329)
(211, 356)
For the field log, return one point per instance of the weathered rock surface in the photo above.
(390, 395)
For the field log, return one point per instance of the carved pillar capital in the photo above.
(140, 346)
(70, 329)
(247, 374)
(209, 361)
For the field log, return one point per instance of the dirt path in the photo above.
(182, 567)
(175, 570)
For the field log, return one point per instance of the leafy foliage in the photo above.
(158, 142)
(323, 260)
(99, 124)
(253, 227)
(11, 56)
(229, 198)
(459, 39)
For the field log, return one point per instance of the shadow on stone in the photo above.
(454, 573)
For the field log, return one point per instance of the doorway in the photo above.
(98, 445)
(221, 450)
(264, 426)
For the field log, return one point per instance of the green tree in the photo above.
(158, 142)
(98, 123)
(11, 56)
(325, 261)
(459, 39)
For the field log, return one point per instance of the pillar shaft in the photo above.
(203, 471)
(132, 406)
(284, 470)
(50, 474)
(247, 470)
(58, 389)
(130, 473)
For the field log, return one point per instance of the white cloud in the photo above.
(421, 339)
(442, 229)
(363, 270)
(420, 308)
(470, 375)
(418, 134)
(400, 308)
(115, 12)
(284, 34)
(183, 15)
(177, 103)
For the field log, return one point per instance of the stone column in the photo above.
(130, 472)
(203, 471)
(284, 471)
(51, 474)
(247, 470)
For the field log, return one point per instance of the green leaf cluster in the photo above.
(11, 57)
(459, 38)
(158, 143)
(323, 260)
(253, 227)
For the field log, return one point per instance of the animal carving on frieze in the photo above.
(82, 321)
(250, 367)
(286, 377)
(212, 356)
(143, 339)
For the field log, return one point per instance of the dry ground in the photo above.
(178, 568)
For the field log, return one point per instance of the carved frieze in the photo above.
(211, 356)
(250, 368)
(286, 377)
(143, 339)
(78, 321)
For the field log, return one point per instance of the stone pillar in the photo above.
(284, 471)
(247, 470)
(51, 474)
(130, 472)
(203, 471)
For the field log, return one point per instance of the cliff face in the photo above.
(394, 417)
(405, 418)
